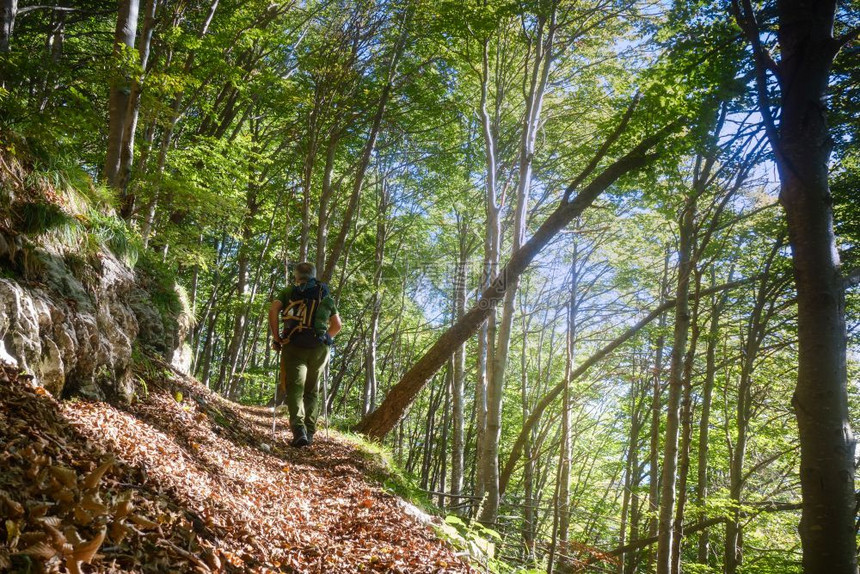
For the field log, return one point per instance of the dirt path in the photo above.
(187, 486)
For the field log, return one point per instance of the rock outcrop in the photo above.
(71, 321)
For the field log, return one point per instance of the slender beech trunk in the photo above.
(150, 209)
(656, 415)
(228, 366)
(492, 239)
(565, 452)
(369, 146)
(755, 333)
(676, 365)
(133, 106)
(120, 89)
(459, 371)
(540, 71)
(630, 513)
(206, 364)
(704, 421)
(529, 529)
(686, 427)
(370, 382)
(326, 192)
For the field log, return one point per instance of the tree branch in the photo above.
(613, 137)
(25, 9)
(851, 279)
(762, 62)
(845, 39)
(552, 394)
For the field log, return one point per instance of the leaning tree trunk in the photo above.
(382, 420)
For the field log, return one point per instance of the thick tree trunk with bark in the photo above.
(9, 13)
(801, 143)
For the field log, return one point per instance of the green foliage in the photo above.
(479, 542)
(113, 233)
(37, 218)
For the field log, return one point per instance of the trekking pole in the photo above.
(325, 393)
(275, 398)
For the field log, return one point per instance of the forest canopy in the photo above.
(595, 260)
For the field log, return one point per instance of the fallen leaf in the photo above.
(66, 476)
(85, 551)
(143, 522)
(93, 478)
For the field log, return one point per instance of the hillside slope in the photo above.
(182, 480)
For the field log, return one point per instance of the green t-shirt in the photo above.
(325, 311)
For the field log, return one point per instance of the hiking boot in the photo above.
(310, 438)
(300, 438)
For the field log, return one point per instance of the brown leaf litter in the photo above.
(182, 482)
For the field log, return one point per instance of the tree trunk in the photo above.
(686, 429)
(802, 144)
(704, 420)
(228, 367)
(676, 366)
(370, 383)
(492, 240)
(496, 383)
(10, 11)
(656, 414)
(755, 333)
(529, 529)
(133, 107)
(367, 151)
(459, 374)
(325, 197)
(120, 89)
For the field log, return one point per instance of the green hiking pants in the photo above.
(301, 371)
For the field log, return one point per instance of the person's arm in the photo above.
(274, 312)
(334, 325)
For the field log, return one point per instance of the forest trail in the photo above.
(188, 486)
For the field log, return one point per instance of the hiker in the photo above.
(309, 322)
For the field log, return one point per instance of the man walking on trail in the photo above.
(309, 322)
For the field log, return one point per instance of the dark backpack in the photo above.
(298, 316)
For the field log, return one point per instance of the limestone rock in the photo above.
(74, 325)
